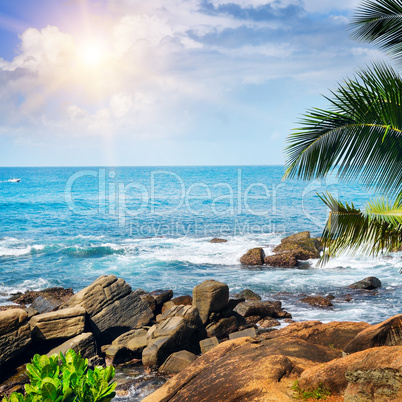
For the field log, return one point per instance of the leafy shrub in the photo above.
(318, 393)
(71, 381)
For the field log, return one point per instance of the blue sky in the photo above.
(165, 82)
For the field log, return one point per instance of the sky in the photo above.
(166, 82)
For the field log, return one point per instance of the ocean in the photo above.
(152, 226)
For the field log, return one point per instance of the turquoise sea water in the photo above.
(152, 226)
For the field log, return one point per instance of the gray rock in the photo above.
(158, 350)
(61, 324)
(369, 283)
(248, 294)
(45, 304)
(222, 328)
(258, 308)
(113, 308)
(117, 354)
(210, 297)
(240, 334)
(177, 362)
(208, 344)
(15, 334)
(84, 344)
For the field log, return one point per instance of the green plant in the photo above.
(360, 137)
(317, 393)
(69, 381)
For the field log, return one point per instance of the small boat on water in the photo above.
(14, 180)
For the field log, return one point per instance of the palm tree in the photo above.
(359, 137)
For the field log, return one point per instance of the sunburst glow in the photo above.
(92, 54)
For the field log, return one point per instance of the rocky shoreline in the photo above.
(207, 343)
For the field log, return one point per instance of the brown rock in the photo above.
(282, 260)
(371, 375)
(210, 296)
(177, 362)
(15, 334)
(317, 301)
(84, 344)
(58, 294)
(334, 335)
(222, 328)
(177, 301)
(209, 343)
(255, 256)
(302, 249)
(296, 237)
(217, 240)
(61, 324)
(264, 371)
(387, 333)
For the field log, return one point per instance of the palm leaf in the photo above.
(350, 230)
(360, 135)
(379, 22)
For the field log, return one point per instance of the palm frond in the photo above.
(379, 22)
(350, 230)
(360, 135)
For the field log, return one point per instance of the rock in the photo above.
(387, 333)
(217, 240)
(150, 300)
(177, 362)
(282, 260)
(255, 256)
(302, 249)
(317, 301)
(371, 375)
(222, 328)
(334, 335)
(177, 301)
(368, 283)
(84, 344)
(161, 297)
(296, 237)
(176, 329)
(61, 324)
(134, 341)
(248, 294)
(207, 344)
(117, 354)
(234, 302)
(55, 296)
(112, 306)
(264, 371)
(15, 334)
(210, 296)
(268, 323)
(240, 334)
(251, 321)
(258, 308)
(15, 383)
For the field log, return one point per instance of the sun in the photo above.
(92, 54)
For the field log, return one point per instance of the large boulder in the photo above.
(369, 283)
(112, 307)
(371, 375)
(244, 369)
(248, 294)
(15, 334)
(255, 256)
(302, 249)
(282, 260)
(335, 335)
(179, 328)
(84, 344)
(62, 324)
(222, 328)
(386, 333)
(261, 309)
(296, 237)
(210, 297)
